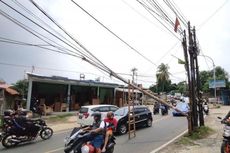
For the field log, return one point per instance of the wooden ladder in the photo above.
(131, 115)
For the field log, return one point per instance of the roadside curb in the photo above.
(169, 142)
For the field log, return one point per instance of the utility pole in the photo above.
(193, 78)
(134, 73)
(198, 90)
(189, 117)
(214, 79)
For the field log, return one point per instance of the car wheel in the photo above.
(149, 123)
(122, 129)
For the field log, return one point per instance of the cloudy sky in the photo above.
(127, 19)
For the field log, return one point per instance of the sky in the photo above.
(128, 20)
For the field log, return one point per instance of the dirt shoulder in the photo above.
(61, 124)
(210, 144)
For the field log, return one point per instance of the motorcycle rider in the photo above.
(111, 123)
(23, 121)
(99, 128)
(226, 119)
(205, 106)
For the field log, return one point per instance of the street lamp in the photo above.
(214, 73)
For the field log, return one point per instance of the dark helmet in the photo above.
(97, 114)
(8, 112)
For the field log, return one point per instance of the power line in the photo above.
(10, 41)
(94, 62)
(37, 25)
(176, 12)
(152, 12)
(27, 29)
(168, 51)
(213, 14)
(31, 31)
(122, 40)
(39, 19)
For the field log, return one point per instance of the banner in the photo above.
(219, 84)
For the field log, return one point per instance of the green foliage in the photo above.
(205, 76)
(185, 141)
(22, 87)
(163, 81)
(200, 133)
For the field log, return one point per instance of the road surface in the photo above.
(147, 139)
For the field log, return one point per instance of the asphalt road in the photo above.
(147, 139)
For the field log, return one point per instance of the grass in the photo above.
(185, 141)
(59, 118)
(200, 133)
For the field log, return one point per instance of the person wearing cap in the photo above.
(111, 124)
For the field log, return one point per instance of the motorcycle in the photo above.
(164, 110)
(35, 106)
(206, 109)
(77, 142)
(13, 134)
(225, 146)
(156, 109)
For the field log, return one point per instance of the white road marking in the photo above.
(64, 131)
(167, 143)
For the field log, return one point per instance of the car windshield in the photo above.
(83, 110)
(121, 112)
(182, 106)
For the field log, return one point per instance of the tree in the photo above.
(205, 76)
(181, 87)
(22, 87)
(163, 80)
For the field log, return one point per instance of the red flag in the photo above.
(177, 23)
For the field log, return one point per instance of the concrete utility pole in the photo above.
(214, 73)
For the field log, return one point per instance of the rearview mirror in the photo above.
(219, 117)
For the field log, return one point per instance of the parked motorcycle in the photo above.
(77, 142)
(225, 146)
(14, 134)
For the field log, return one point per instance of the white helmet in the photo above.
(85, 149)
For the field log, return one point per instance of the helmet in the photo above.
(87, 149)
(97, 114)
(8, 112)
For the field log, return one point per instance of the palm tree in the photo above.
(162, 76)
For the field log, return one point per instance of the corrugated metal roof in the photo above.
(8, 89)
(65, 80)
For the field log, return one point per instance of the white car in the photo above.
(85, 113)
